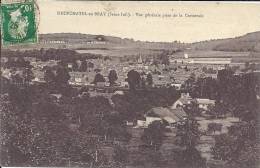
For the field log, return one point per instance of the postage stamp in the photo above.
(18, 23)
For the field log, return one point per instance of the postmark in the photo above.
(18, 23)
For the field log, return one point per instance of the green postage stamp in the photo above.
(18, 23)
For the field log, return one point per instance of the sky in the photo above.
(214, 20)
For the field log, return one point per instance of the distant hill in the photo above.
(248, 42)
(116, 46)
(78, 41)
(81, 38)
(74, 39)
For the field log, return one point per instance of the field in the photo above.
(138, 155)
(119, 52)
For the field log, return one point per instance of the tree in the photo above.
(97, 70)
(75, 66)
(238, 147)
(133, 79)
(32, 136)
(143, 82)
(165, 58)
(188, 136)
(120, 154)
(155, 157)
(17, 78)
(62, 76)
(27, 75)
(218, 110)
(189, 83)
(99, 78)
(247, 64)
(190, 157)
(224, 145)
(155, 62)
(20, 62)
(245, 112)
(84, 66)
(112, 77)
(90, 65)
(213, 127)
(154, 134)
(193, 109)
(49, 76)
(149, 79)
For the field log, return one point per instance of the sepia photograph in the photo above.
(127, 84)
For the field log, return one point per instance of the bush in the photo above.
(212, 127)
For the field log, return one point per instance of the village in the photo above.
(113, 79)
(129, 84)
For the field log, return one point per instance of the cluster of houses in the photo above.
(174, 114)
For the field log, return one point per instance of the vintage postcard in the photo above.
(120, 84)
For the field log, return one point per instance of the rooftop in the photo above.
(170, 115)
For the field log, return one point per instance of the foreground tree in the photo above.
(120, 154)
(49, 76)
(188, 135)
(75, 66)
(84, 66)
(239, 146)
(189, 83)
(27, 75)
(62, 77)
(112, 77)
(190, 157)
(192, 109)
(133, 79)
(99, 78)
(213, 127)
(154, 134)
(36, 132)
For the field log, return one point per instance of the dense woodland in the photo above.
(66, 55)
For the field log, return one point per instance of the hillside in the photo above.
(116, 46)
(99, 44)
(248, 42)
(74, 39)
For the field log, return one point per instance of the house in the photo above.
(6, 73)
(100, 84)
(204, 103)
(176, 85)
(78, 78)
(169, 116)
(124, 84)
(180, 113)
(56, 97)
(141, 123)
(119, 92)
(70, 65)
(129, 123)
(184, 100)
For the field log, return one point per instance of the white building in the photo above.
(184, 100)
(204, 103)
(170, 116)
(176, 85)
